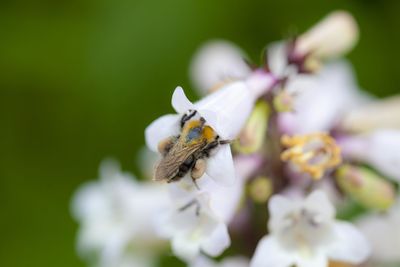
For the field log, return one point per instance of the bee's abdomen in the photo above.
(185, 166)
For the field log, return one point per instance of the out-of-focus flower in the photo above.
(305, 233)
(381, 114)
(226, 262)
(383, 232)
(366, 187)
(196, 219)
(116, 213)
(193, 227)
(217, 63)
(379, 148)
(321, 99)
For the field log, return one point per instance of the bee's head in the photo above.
(195, 130)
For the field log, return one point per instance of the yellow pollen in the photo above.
(311, 153)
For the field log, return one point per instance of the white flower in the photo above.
(321, 99)
(194, 228)
(217, 62)
(305, 233)
(379, 148)
(226, 262)
(222, 200)
(115, 213)
(226, 111)
(196, 220)
(335, 35)
(383, 232)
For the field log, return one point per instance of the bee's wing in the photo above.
(168, 167)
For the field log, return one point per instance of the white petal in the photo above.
(383, 233)
(220, 166)
(217, 241)
(113, 250)
(279, 205)
(383, 152)
(380, 114)
(160, 129)
(180, 102)
(350, 245)
(314, 108)
(319, 203)
(87, 201)
(314, 260)
(379, 149)
(232, 104)
(203, 261)
(184, 247)
(270, 254)
(217, 62)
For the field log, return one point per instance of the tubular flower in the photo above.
(192, 228)
(195, 220)
(225, 111)
(305, 233)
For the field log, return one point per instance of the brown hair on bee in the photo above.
(187, 151)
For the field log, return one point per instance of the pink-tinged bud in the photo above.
(334, 36)
(366, 187)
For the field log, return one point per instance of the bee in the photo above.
(187, 152)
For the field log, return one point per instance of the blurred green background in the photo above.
(81, 79)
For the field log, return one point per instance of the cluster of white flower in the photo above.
(282, 146)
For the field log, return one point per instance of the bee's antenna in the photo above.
(187, 117)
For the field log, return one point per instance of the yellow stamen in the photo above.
(311, 153)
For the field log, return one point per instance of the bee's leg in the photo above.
(187, 117)
(198, 170)
(222, 142)
(164, 146)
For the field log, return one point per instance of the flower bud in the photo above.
(366, 187)
(335, 35)
(252, 135)
(260, 189)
